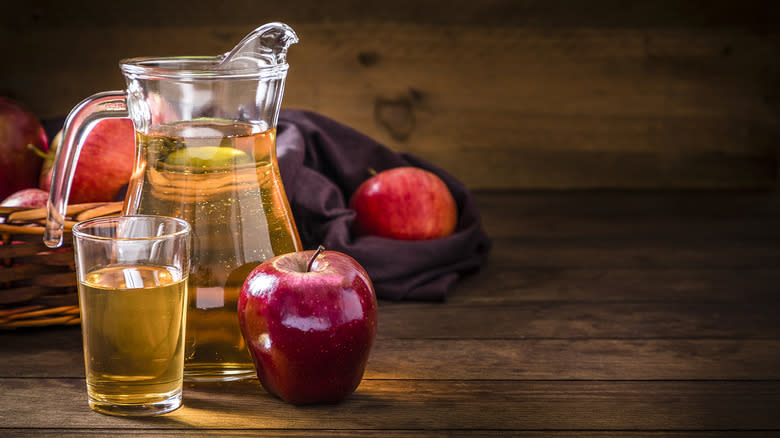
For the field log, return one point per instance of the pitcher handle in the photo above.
(78, 124)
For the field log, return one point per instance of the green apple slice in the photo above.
(206, 157)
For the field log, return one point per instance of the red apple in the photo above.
(309, 319)
(26, 198)
(105, 164)
(405, 203)
(19, 165)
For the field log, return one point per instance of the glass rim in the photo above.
(196, 68)
(79, 229)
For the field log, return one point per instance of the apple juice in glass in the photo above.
(133, 333)
(205, 152)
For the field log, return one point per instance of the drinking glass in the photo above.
(132, 280)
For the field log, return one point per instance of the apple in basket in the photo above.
(309, 319)
(105, 163)
(26, 198)
(19, 131)
(406, 203)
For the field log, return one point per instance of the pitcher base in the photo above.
(218, 373)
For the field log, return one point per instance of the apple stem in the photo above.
(319, 250)
(371, 171)
(37, 151)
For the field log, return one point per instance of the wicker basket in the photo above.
(38, 284)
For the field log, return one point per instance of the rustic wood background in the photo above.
(504, 94)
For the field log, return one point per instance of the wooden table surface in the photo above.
(606, 314)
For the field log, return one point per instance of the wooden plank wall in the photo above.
(504, 94)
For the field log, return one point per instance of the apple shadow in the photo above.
(209, 405)
(217, 396)
(222, 396)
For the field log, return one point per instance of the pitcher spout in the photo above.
(267, 45)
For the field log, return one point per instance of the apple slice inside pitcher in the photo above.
(207, 157)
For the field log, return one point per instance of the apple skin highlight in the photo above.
(26, 198)
(309, 333)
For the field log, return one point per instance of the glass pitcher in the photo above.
(205, 152)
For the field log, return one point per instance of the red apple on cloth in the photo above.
(405, 203)
(26, 198)
(19, 165)
(105, 163)
(310, 320)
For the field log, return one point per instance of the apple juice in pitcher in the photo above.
(222, 177)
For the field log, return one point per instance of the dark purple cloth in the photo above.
(322, 163)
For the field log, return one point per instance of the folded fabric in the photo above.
(322, 162)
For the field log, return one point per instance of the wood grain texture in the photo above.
(523, 285)
(575, 327)
(503, 95)
(411, 404)
(540, 13)
(385, 433)
(623, 216)
(581, 320)
(648, 254)
(504, 359)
